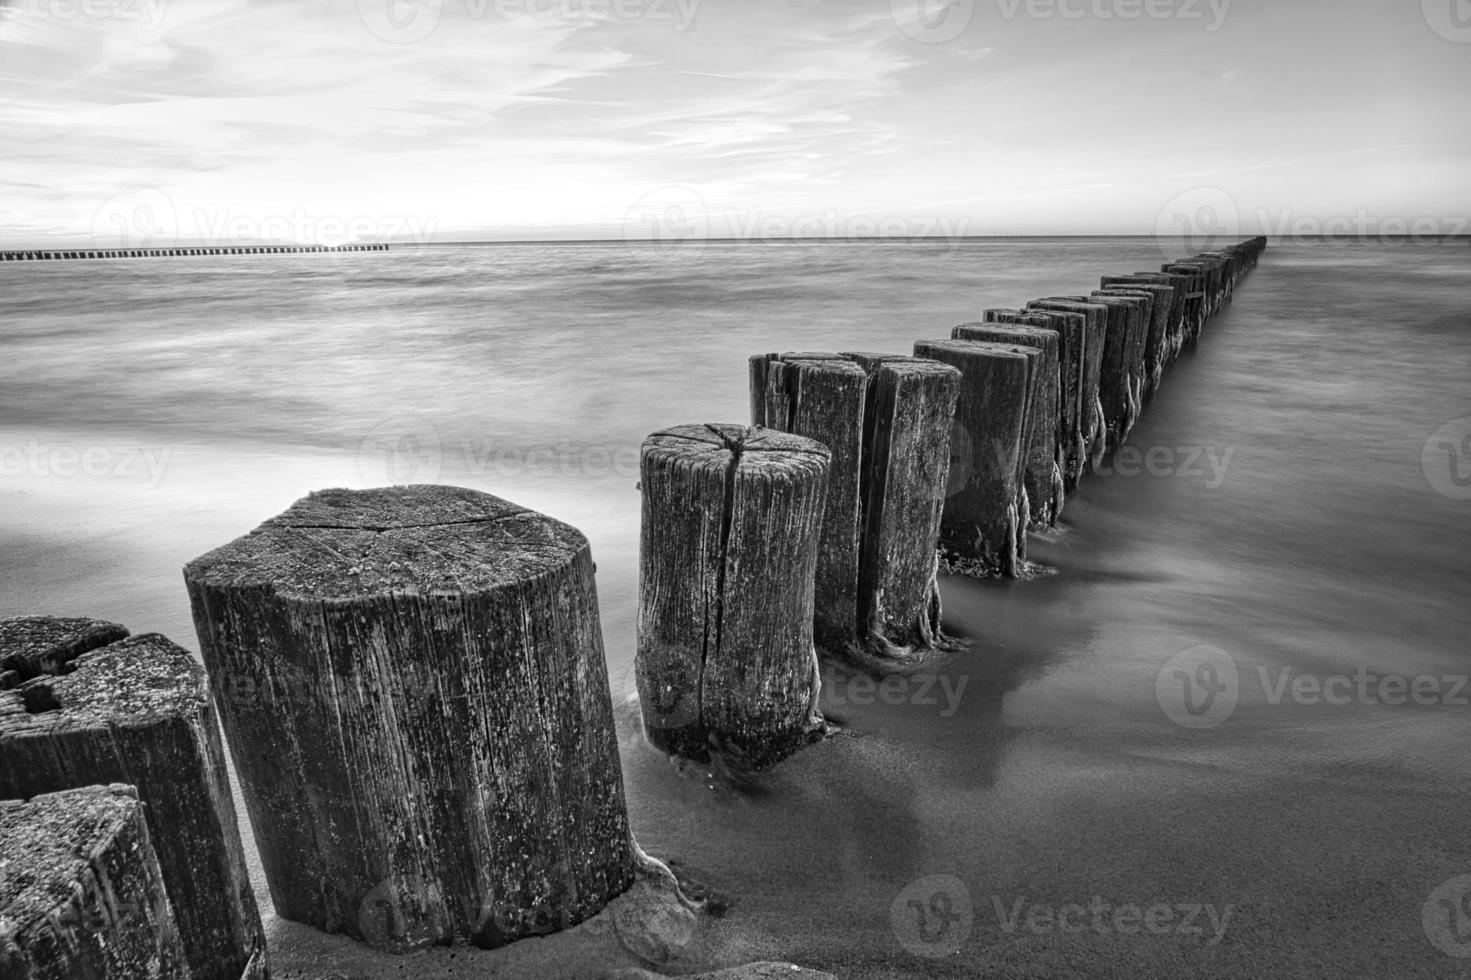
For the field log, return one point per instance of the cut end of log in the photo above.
(35, 645)
(408, 540)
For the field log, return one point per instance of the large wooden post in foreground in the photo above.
(1043, 474)
(886, 418)
(726, 665)
(413, 684)
(137, 711)
(983, 530)
(81, 893)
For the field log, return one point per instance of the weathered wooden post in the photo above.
(1121, 379)
(1156, 340)
(1096, 315)
(886, 418)
(983, 530)
(412, 680)
(1071, 330)
(907, 426)
(1042, 476)
(90, 707)
(726, 665)
(1176, 326)
(1196, 301)
(81, 893)
(823, 396)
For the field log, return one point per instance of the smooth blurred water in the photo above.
(153, 409)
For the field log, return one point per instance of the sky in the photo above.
(159, 122)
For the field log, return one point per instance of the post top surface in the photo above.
(358, 545)
(48, 842)
(134, 682)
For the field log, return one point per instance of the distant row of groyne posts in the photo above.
(412, 681)
(52, 255)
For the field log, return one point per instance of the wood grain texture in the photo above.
(139, 711)
(81, 891)
(982, 530)
(823, 397)
(1071, 330)
(726, 664)
(1156, 342)
(1096, 316)
(886, 418)
(413, 683)
(1042, 478)
(907, 423)
(1121, 378)
(1175, 325)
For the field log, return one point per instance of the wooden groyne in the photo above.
(56, 255)
(412, 679)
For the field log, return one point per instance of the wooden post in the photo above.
(907, 426)
(413, 682)
(983, 530)
(1157, 335)
(726, 666)
(1121, 375)
(1042, 477)
(137, 711)
(1095, 425)
(886, 419)
(81, 893)
(1176, 327)
(1071, 330)
(823, 397)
